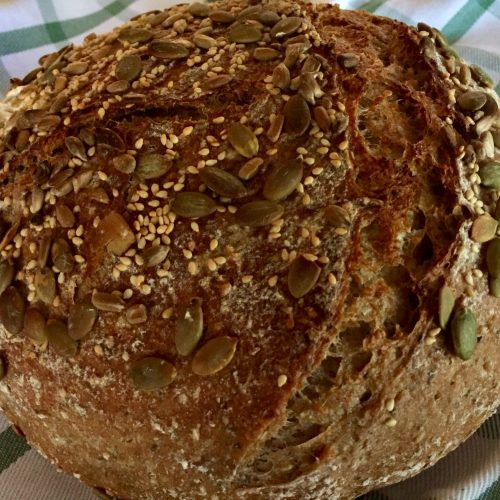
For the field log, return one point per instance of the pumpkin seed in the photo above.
(243, 140)
(110, 138)
(297, 115)
(57, 334)
(214, 82)
(490, 174)
(494, 287)
(64, 216)
(484, 124)
(107, 302)
(62, 257)
(137, 314)
(134, 35)
(204, 41)
(275, 126)
(245, 33)
(166, 49)
(199, 9)
(118, 87)
(491, 106)
(250, 169)
(259, 213)
(45, 285)
(472, 100)
(124, 163)
(446, 305)
(44, 250)
(34, 325)
(151, 374)
(222, 16)
(463, 332)
(6, 275)
(480, 76)
(189, 328)
(265, 54)
(302, 276)
(87, 136)
(76, 68)
(115, 234)
(193, 204)
(484, 228)
(76, 147)
(154, 256)
(337, 216)
(82, 318)
(223, 183)
(128, 68)
(349, 60)
(250, 12)
(214, 356)
(286, 27)
(12, 308)
(268, 17)
(493, 258)
(283, 180)
(281, 76)
(322, 118)
(3, 369)
(152, 166)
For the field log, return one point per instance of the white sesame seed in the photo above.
(332, 279)
(391, 422)
(434, 331)
(390, 404)
(214, 244)
(167, 313)
(212, 266)
(282, 380)
(247, 278)
(430, 340)
(187, 130)
(192, 268)
(220, 260)
(102, 175)
(219, 119)
(341, 231)
(344, 145)
(139, 143)
(272, 281)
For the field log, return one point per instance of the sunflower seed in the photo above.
(484, 124)
(189, 328)
(137, 314)
(12, 308)
(49, 122)
(311, 65)
(214, 82)
(44, 250)
(281, 76)
(172, 19)
(484, 228)
(76, 147)
(491, 106)
(76, 68)
(322, 118)
(152, 166)
(293, 52)
(154, 256)
(222, 16)
(259, 213)
(134, 35)
(223, 183)
(58, 104)
(34, 325)
(128, 68)
(64, 216)
(31, 76)
(348, 60)
(245, 33)
(337, 216)
(193, 204)
(302, 276)
(62, 256)
(309, 88)
(446, 305)
(268, 17)
(283, 180)
(57, 334)
(213, 356)
(480, 76)
(204, 41)
(81, 319)
(3, 369)
(286, 27)
(124, 163)
(297, 115)
(243, 140)
(166, 49)
(115, 234)
(275, 127)
(45, 285)
(250, 169)
(107, 302)
(488, 144)
(199, 9)
(490, 174)
(265, 54)
(151, 374)
(118, 87)
(463, 332)
(6, 275)
(87, 136)
(472, 100)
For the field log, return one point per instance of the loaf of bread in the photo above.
(249, 251)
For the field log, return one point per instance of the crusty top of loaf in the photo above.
(324, 298)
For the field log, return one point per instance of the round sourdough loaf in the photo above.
(249, 251)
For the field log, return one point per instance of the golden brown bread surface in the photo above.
(329, 376)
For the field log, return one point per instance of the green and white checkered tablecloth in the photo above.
(31, 28)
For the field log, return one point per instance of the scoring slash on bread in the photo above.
(249, 251)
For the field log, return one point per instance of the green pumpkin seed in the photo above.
(268, 17)
(76, 68)
(223, 183)
(76, 147)
(245, 33)
(222, 16)
(337, 216)
(45, 285)
(297, 115)
(493, 258)
(12, 309)
(57, 334)
(152, 166)
(166, 49)
(480, 76)
(281, 76)
(214, 356)
(199, 9)
(118, 87)
(250, 169)
(204, 41)
(472, 100)
(259, 213)
(283, 180)
(463, 332)
(189, 328)
(151, 373)
(109, 302)
(286, 27)
(65, 216)
(214, 82)
(82, 318)
(193, 204)
(484, 228)
(137, 314)
(154, 256)
(265, 54)
(495, 287)
(6, 275)
(62, 256)
(302, 276)
(446, 305)
(124, 163)
(115, 234)
(34, 325)
(243, 140)
(134, 35)
(490, 174)
(128, 68)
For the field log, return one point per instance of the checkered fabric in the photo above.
(31, 28)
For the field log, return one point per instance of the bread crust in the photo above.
(327, 395)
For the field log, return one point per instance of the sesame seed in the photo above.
(204, 152)
(102, 175)
(390, 404)
(139, 143)
(434, 331)
(99, 350)
(341, 231)
(322, 150)
(282, 380)
(187, 130)
(192, 268)
(220, 260)
(309, 160)
(272, 281)
(430, 340)
(343, 145)
(219, 119)
(391, 422)
(247, 278)
(212, 266)
(308, 181)
(167, 313)
(79, 259)
(306, 199)
(77, 241)
(127, 294)
(100, 113)
(301, 150)
(214, 244)
(332, 279)
(310, 256)
(187, 253)
(316, 242)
